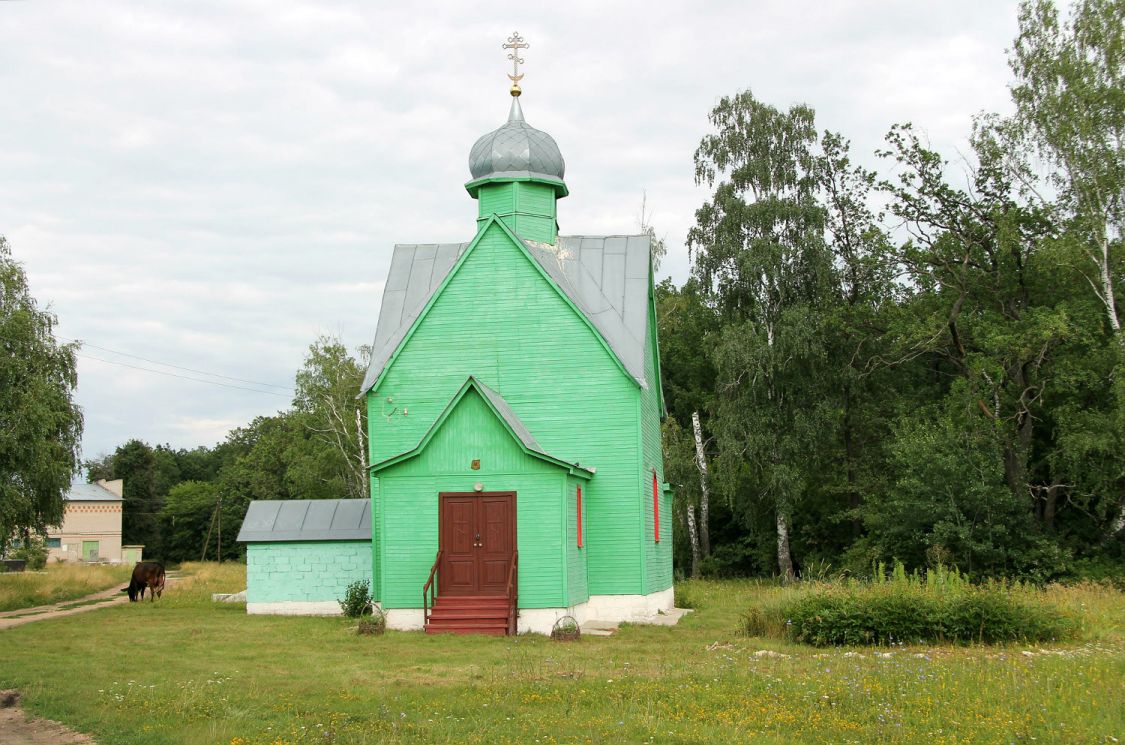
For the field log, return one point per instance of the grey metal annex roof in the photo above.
(90, 493)
(516, 149)
(307, 520)
(606, 277)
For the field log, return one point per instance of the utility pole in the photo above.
(210, 527)
(219, 511)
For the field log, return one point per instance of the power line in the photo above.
(182, 377)
(288, 393)
(177, 367)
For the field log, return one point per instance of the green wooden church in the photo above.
(514, 406)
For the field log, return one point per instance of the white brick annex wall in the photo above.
(303, 577)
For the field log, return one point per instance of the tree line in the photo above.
(923, 364)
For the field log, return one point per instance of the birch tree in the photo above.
(758, 249)
(1070, 103)
(326, 397)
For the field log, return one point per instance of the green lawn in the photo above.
(59, 582)
(184, 670)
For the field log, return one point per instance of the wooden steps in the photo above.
(469, 615)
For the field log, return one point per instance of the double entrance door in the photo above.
(477, 536)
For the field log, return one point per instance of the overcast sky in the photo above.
(213, 184)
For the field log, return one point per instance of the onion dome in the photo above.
(517, 151)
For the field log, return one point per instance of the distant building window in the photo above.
(655, 507)
(580, 517)
(54, 543)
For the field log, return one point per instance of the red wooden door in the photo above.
(477, 534)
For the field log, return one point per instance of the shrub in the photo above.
(357, 599)
(34, 552)
(938, 606)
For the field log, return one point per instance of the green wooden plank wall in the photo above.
(408, 500)
(577, 589)
(499, 320)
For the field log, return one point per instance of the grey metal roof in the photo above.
(307, 520)
(606, 277)
(415, 273)
(90, 493)
(516, 149)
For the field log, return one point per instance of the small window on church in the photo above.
(54, 543)
(579, 517)
(655, 507)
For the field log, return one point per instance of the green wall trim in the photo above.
(473, 187)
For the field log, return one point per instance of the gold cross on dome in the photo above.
(515, 43)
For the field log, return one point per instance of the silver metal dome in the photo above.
(516, 150)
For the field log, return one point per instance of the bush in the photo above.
(34, 552)
(357, 599)
(938, 606)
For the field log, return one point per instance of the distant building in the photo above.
(91, 526)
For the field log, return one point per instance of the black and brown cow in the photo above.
(146, 575)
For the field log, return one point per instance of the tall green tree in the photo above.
(327, 407)
(186, 517)
(40, 425)
(1069, 93)
(148, 474)
(759, 251)
(1070, 103)
(865, 294)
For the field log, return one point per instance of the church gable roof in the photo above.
(605, 277)
(504, 413)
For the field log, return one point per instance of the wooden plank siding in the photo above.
(408, 498)
(499, 320)
(527, 208)
(577, 588)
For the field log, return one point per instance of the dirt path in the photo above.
(102, 599)
(18, 728)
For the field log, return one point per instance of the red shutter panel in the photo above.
(655, 507)
(580, 517)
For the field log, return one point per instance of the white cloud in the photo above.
(214, 184)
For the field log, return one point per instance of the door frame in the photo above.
(462, 494)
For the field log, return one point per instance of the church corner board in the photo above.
(514, 407)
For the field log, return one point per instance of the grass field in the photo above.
(58, 582)
(184, 670)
